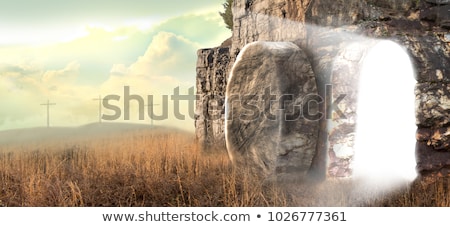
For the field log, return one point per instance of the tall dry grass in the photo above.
(144, 168)
(166, 168)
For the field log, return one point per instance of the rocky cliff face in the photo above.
(323, 28)
(212, 70)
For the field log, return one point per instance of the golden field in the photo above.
(160, 167)
(141, 168)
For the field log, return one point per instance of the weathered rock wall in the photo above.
(212, 70)
(433, 104)
(277, 20)
(322, 28)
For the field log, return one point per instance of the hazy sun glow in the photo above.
(42, 36)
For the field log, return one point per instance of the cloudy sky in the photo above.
(70, 52)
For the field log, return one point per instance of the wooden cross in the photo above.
(99, 99)
(151, 111)
(48, 104)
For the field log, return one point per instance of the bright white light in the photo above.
(385, 140)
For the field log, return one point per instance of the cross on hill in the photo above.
(151, 105)
(99, 99)
(48, 104)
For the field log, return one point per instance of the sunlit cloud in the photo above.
(168, 54)
(67, 75)
(49, 21)
(150, 57)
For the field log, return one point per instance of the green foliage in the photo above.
(227, 15)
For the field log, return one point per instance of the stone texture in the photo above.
(335, 13)
(433, 105)
(437, 139)
(439, 2)
(281, 20)
(430, 162)
(268, 127)
(345, 75)
(276, 20)
(437, 14)
(398, 5)
(212, 70)
(431, 55)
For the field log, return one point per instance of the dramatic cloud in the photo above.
(68, 75)
(44, 20)
(188, 27)
(168, 55)
(151, 57)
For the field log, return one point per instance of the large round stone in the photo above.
(272, 115)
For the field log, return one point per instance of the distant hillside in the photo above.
(42, 134)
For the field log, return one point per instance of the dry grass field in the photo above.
(141, 168)
(158, 167)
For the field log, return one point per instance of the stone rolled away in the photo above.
(268, 84)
